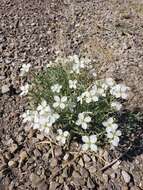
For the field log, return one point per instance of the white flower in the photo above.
(42, 106)
(109, 122)
(101, 92)
(28, 116)
(112, 132)
(56, 88)
(89, 143)
(112, 128)
(91, 96)
(25, 68)
(62, 136)
(110, 82)
(77, 64)
(83, 120)
(60, 102)
(80, 98)
(115, 139)
(116, 105)
(43, 118)
(120, 91)
(24, 90)
(72, 84)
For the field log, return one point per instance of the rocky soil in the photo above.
(36, 31)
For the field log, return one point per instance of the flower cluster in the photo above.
(69, 102)
(89, 143)
(112, 132)
(43, 118)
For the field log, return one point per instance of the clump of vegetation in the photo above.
(69, 102)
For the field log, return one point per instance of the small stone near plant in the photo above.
(126, 176)
(5, 89)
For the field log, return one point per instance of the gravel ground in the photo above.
(32, 31)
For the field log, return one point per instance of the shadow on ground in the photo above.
(131, 123)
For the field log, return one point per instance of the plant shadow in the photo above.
(131, 123)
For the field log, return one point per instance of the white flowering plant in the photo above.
(67, 100)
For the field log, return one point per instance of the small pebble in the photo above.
(116, 165)
(2, 77)
(8, 155)
(75, 174)
(23, 156)
(35, 179)
(53, 163)
(40, 136)
(5, 89)
(13, 148)
(66, 156)
(58, 152)
(105, 177)
(43, 186)
(90, 183)
(53, 185)
(12, 163)
(126, 176)
(80, 162)
(86, 158)
(113, 175)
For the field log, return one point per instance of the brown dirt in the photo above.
(32, 31)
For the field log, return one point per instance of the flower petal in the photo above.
(85, 147)
(85, 139)
(93, 147)
(64, 99)
(57, 98)
(66, 134)
(84, 125)
(93, 139)
(87, 119)
(55, 104)
(62, 106)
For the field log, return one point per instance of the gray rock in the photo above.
(86, 158)
(105, 177)
(35, 179)
(65, 173)
(92, 169)
(23, 156)
(113, 175)
(58, 152)
(126, 176)
(80, 162)
(2, 77)
(12, 163)
(75, 174)
(53, 163)
(37, 153)
(40, 136)
(5, 89)
(90, 183)
(45, 156)
(116, 165)
(8, 155)
(84, 172)
(20, 138)
(53, 185)
(43, 186)
(13, 147)
(78, 182)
